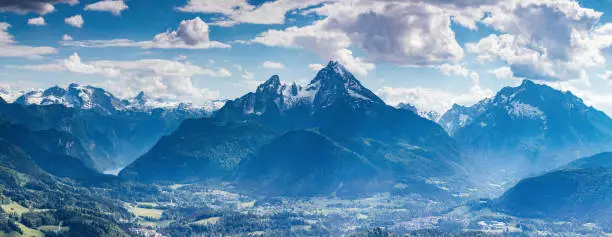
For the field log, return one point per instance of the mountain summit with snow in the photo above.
(529, 128)
(334, 100)
(114, 131)
(333, 84)
(539, 113)
(75, 96)
(99, 100)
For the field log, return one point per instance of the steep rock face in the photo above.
(459, 116)
(272, 99)
(43, 149)
(14, 158)
(197, 150)
(336, 103)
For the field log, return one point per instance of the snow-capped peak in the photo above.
(9, 95)
(271, 85)
(528, 101)
(100, 100)
(144, 103)
(335, 82)
(332, 84)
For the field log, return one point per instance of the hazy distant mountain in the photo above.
(10, 95)
(460, 116)
(528, 129)
(114, 132)
(534, 118)
(199, 149)
(75, 96)
(102, 101)
(431, 115)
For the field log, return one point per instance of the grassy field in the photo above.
(145, 212)
(208, 221)
(27, 232)
(157, 224)
(14, 208)
(53, 228)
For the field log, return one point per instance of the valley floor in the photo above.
(211, 211)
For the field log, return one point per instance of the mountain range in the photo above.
(523, 130)
(332, 136)
(102, 101)
(350, 131)
(112, 131)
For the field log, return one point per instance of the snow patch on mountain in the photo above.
(517, 109)
(10, 95)
(333, 83)
(145, 103)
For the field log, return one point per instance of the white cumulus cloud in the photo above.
(66, 37)
(113, 6)
(191, 34)
(273, 65)
(544, 40)
(502, 73)
(38, 21)
(315, 67)
(327, 44)
(406, 33)
(76, 21)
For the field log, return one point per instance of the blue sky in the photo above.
(428, 53)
